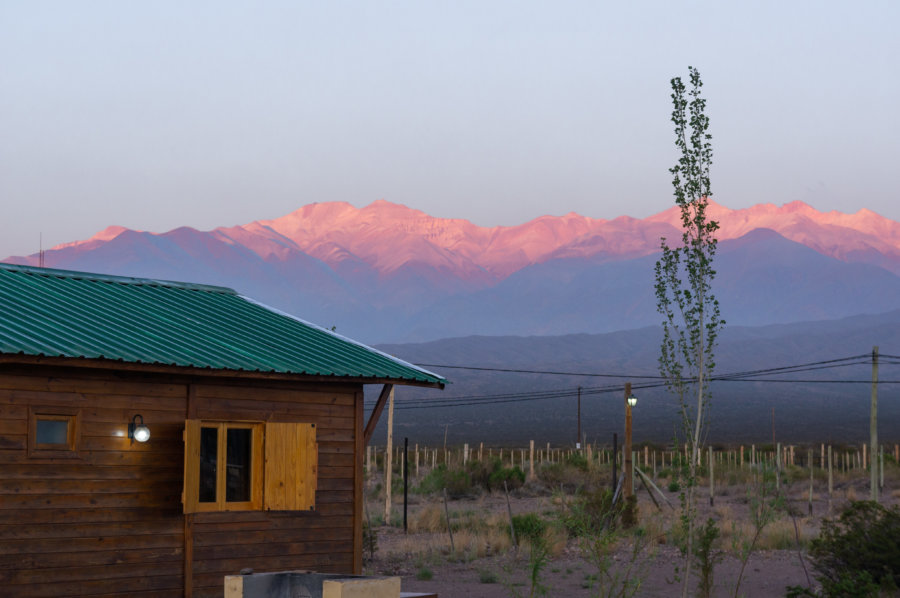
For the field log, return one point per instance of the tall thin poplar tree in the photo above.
(684, 275)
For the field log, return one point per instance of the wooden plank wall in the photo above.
(110, 522)
(225, 543)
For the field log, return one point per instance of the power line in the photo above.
(744, 376)
(630, 376)
(543, 372)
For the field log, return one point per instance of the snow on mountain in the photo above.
(386, 272)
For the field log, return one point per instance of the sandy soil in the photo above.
(768, 572)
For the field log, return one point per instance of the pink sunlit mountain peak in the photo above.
(389, 237)
(388, 271)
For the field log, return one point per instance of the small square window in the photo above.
(53, 432)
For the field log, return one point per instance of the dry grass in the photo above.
(470, 545)
(429, 518)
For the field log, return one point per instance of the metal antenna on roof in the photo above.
(41, 250)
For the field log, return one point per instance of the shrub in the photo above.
(578, 461)
(491, 475)
(529, 527)
(674, 486)
(513, 476)
(562, 476)
(424, 574)
(861, 545)
(457, 483)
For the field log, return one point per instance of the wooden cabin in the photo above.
(256, 437)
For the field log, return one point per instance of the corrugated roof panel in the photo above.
(75, 314)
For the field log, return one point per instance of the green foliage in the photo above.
(684, 273)
(457, 483)
(533, 529)
(706, 557)
(513, 476)
(684, 298)
(424, 574)
(674, 486)
(397, 485)
(593, 519)
(765, 502)
(487, 576)
(490, 475)
(563, 476)
(590, 512)
(578, 461)
(529, 526)
(847, 585)
(862, 544)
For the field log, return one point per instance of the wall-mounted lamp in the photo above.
(632, 400)
(138, 431)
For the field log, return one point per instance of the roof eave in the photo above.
(114, 364)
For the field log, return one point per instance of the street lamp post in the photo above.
(630, 401)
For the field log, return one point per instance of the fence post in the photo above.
(531, 461)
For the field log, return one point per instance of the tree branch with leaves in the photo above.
(683, 283)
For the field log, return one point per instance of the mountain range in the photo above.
(388, 273)
(519, 392)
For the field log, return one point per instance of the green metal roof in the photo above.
(57, 313)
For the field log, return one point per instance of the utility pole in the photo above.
(873, 430)
(578, 438)
(629, 472)
(388, 466)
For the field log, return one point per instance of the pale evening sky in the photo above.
(154, 115)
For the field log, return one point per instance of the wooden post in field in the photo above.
(830, 478)
(531, 461)
(822, 457)
(712, 485)
(810, 465)
(752, 455)
(417, 459)
(388, 453)
(873, 429)
(742, 456)
(369, 459)
(480, 451)
(465, 453)
(778, 467)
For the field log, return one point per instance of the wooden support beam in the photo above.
(376, 413)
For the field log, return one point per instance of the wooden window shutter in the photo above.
(190, 494)
(292, 457)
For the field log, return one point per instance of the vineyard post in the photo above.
(873, 430)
